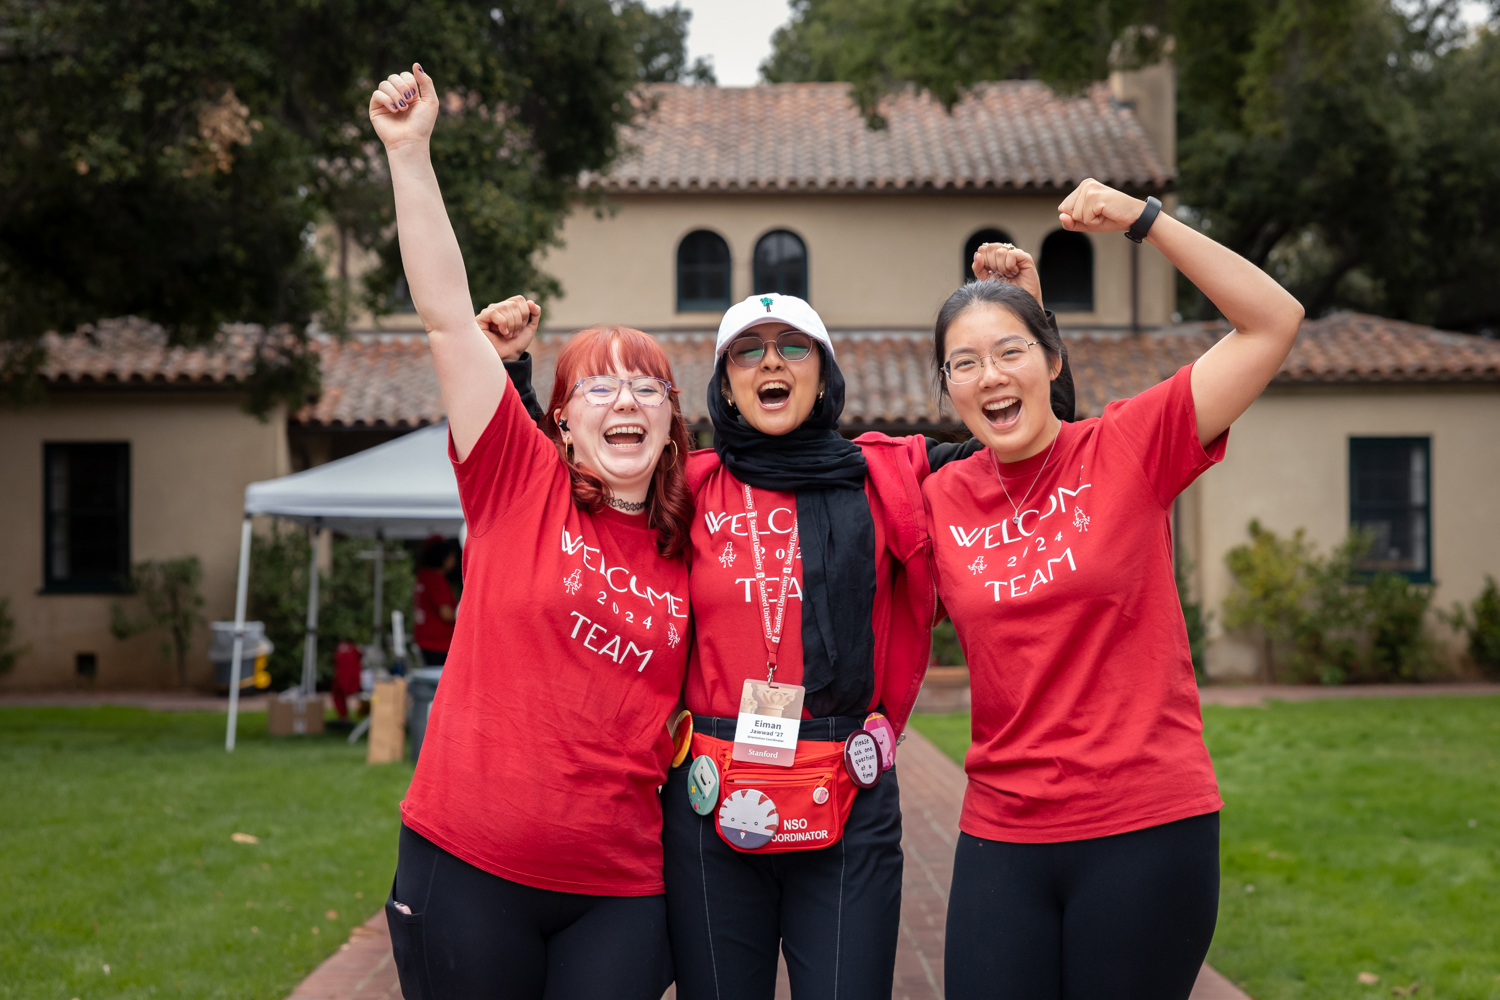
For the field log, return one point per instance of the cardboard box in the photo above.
(387, 723)
(295, 716)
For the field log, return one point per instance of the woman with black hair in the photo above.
(1087, 865)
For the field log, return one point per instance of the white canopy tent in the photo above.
(401, 489)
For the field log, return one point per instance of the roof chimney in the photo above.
(1143, 79)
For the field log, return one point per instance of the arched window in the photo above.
(966, 272)
(702, 272)
(1067, 268)
(781, 264)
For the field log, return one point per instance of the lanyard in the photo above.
(772, 635)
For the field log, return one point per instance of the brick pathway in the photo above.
(932, 789)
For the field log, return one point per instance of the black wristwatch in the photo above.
(1141, 226)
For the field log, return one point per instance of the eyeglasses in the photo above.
(603, 390)
(747, 352)
(1008, 355)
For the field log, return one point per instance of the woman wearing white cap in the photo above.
(812, 604)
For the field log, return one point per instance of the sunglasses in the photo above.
(747, 352)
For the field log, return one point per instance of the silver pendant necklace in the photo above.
(1013, 505)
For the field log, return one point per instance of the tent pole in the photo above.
(241, 589)
(310, 647)
(379, 584)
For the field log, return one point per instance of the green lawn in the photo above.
(1358, 836)
(119, 875)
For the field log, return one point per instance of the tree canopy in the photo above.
(174, 161)
(1351, 147)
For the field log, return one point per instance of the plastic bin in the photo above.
(421, 687)
(252, 657)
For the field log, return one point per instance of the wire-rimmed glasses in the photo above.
(603, 390)
(747, 352)
(1008, 355)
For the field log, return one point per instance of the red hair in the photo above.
(669, 507)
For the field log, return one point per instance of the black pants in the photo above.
(1127, 917)
(834, 912)
(474, 935)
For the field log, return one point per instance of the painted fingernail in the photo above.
(403, 104)
(420, 69)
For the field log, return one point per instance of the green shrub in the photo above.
(946, 650)
(9, 654)
(1481, 622)
(346, 597)
(1320, 620)
(169, 589)
(1192, 614)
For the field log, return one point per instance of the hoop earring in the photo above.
(675, 455)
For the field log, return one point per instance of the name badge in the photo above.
(769, 721)
(703, 785)
(862, 759)
(878, 726)
(681, 730)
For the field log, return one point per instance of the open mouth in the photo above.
(625, 435)
(774, 395)
(1003, 414)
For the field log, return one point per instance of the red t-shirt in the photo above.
(1085, 709)
(547, 739)
(728, 638)
(430, 593)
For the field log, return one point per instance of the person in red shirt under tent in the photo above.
(1087, 865)
(530, 857)
(434, 608)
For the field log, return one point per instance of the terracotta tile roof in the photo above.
(1013, 136)
(1353, 347)
(375, 380)
(132, 350)
(386, 379)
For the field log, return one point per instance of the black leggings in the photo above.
(474, 935)
(1127, 917)
(833, 912)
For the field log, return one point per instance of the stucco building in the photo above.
(142, 451)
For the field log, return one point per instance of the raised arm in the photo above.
(1265, 316)
(470, 375)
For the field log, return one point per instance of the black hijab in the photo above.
(836, 531)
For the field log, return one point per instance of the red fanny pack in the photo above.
(757, 800)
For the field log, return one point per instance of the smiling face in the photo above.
(621, 441)
(776, 395)
(1009, 411)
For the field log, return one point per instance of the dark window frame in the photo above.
(1360, 512)
(116, 583)
(988, 234)
(704, 304)
(760, 287)
(1050, 296)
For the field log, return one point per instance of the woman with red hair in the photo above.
(530, 859)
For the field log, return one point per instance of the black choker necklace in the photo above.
(626, 505)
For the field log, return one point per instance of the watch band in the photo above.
(1141, 226)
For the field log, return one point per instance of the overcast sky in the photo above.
(735, 34)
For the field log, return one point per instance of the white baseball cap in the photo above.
(771, 308)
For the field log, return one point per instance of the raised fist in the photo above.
(1098, 208)
(510, 325)
(404, 108)
(1003, 262)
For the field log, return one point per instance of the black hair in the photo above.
(435, 553)
(1019, 303)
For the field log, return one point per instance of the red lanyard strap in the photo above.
(772, 634)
